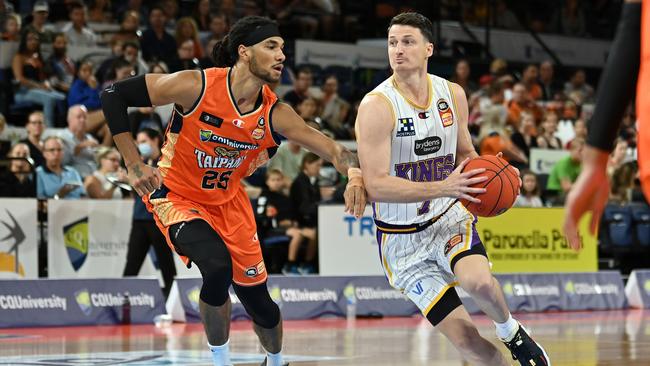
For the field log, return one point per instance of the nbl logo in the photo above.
(406, 127)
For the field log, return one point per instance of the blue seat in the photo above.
(641, 219)
(618, 221)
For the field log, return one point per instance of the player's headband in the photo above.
(261, 33)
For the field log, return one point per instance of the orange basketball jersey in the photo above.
(643, 101)
(211, 147)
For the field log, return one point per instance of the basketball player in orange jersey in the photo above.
(630, 47)
(224, 126)
(413, 144)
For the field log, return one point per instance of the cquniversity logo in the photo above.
(276, 295)
(193, 296)
(570, 288)
(205, 135)
(350, 294)
(507, 289)
(83, 300)
(75, 238)
(646, 287)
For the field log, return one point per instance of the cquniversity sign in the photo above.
(347, 246)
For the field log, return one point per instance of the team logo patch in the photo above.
(446, 115)
(255, 270)
(405, 127)
(238, 123)
(211, 119)
(428, 146)
(258, 133)
(453, 242)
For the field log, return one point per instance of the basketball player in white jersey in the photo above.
(411, 133)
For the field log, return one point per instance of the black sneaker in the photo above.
(525, 350)
(264, 363)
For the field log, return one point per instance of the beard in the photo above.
(256, 70)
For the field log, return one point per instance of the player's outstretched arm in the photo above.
(374, 126)
(182, 88)
(289, 124)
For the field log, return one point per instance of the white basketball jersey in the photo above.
(423, 147)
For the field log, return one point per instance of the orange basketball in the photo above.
(502, 186)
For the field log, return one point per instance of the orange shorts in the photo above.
(233, 221)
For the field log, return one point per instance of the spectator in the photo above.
(157, 44)
(170, 7)
(80, 147)
(579, 131)
(35, 127)
(98, 184)
(18, 181)
(529, 195)
(494, 137)
(53, 179)
(85, 90)
(569, 20)
(129, 28)
(504, 18)
(119, 70)
(622, 182)
(565, 172)
(144, 233)
(105, 67)
(76, 31)
(461, 77)
(11, 31)
(550, 87)
(526, 137)
(520, 102)
(529, 79)
(288, 160)
(335, 109)
(201, 15)
(185, 59)
(61, 68)
(29, 71)
(131, 53)
(151, 117)
(578, 84)
(617, 157)
(308, 110)
(300, 92)
(6, 8)
(40, 11)
(207, 61)
(547, 139)
(218, 29)
(186, 29)
(305, 195)
(99, 11)
(133, 5)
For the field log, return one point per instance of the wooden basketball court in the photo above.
(610, 338)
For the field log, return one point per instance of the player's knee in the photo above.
(217, 276)
(259, 305)
(483, 285)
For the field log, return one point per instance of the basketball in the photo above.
(502, 186)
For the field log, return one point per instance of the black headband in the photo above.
(261, 33)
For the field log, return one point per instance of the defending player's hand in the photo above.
(143, 178)
(588, 193)
(355, 193)
(458, 183)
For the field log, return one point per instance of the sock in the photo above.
(506, 331)
(220, 354)
(273, 359)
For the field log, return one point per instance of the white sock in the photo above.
(273, 359)
(220, 354)
(506, 331)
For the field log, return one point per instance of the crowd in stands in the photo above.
(65, 150)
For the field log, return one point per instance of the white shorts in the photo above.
(419, 264)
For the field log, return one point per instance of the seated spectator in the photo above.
(157, 44)
(569, 19)
(622, 182)
(308, 110)
(11, 30)
(579, 131)
(529, 79)
(526, 137)
(529, 195)
(53, 179)
(99, 11)
(186, 29)
(201, 15)
(617, 157)
(335, 109)
(301, 85)
(98, 184)
(85, 90)
(494, 137)
(565, 172)
(185, 59)
(547, 139)
(39, 23)
(578, 85)
(35, 127)
(131, 53)
(461, 77)
(218, 29)
(129, 28)
(29, 71)
(119, 70)
(18, 180)
(550, 87)
(61, 68)
(520, 102)
(76, 31)
(305, 195)
(288, 160)
(80, 147)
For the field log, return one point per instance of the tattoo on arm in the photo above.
(346, 159)
(136, 170)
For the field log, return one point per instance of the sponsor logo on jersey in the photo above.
(223, 159)
(211, 119)
(405, 127)
(418, 290)
(457, 239)
(428, 170)
(446, 115)
(238, 123)
(255, 270)
(423, 115)
(209, 136)
(428, 145)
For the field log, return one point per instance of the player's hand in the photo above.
(457, 184)
(355, 193)
(143, 178)
(588, 193)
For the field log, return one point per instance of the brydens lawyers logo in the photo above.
(83, 300)
(75, 238)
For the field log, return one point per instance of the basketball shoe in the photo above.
(525, 350)
(264, 363)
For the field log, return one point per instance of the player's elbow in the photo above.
(373, 189)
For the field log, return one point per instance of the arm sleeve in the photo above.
(116, 98)
(618, 80)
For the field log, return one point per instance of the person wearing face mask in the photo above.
(144, 232)
(61, 68)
